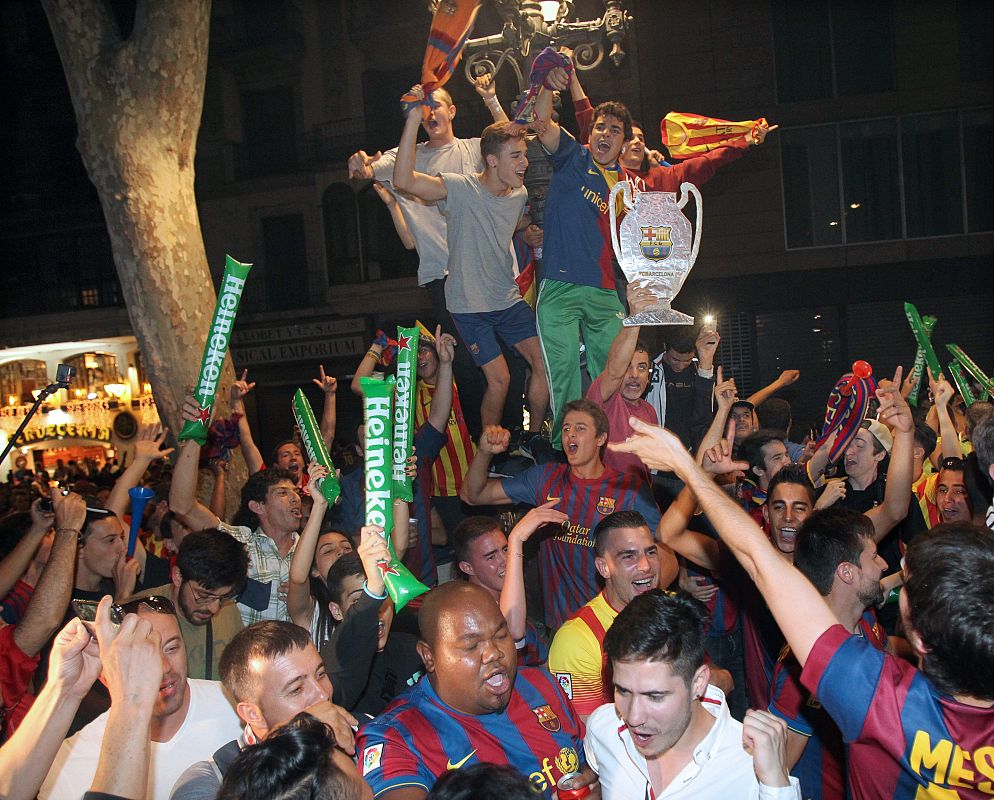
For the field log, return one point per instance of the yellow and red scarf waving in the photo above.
(450, 28)
(687, 135)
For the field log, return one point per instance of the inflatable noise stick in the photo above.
(971, 366)
(140, 495)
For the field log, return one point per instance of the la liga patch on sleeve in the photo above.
(371, 758)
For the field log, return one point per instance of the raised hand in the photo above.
(894, 410)
(485, 86)
(725, 392)
(758, 134)
(373, 551)
(445, 346)
(639, 297)
(718, 459)
(494, 439)
(240, 388)
(419, 94)
(132, 660)
(75, 659)
(316, 472)
(361, 165)
(788, 376)
(125, 576)
(835, 490)
(657, 447)
(69, 510)
(341, 722)
(557, 79)
(706, 346)
(544, 514)
(942, 390)
(148, 443)
(326, 383)
(764, 737)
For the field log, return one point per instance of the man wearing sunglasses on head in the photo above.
(211, 569)
(190, 717)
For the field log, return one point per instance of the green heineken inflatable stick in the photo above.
(377, 396)
(218, 338)
(316, 449)
(403, 412)
(962, 383)
(971, 366)
(928, 323)
(918, 329)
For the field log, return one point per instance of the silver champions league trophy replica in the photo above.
(657, 247)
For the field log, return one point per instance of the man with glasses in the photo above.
(211, 569)
(190, 717)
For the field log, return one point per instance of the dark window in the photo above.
(341, 234)
(863, 41)
(284, 250)
(802, 40)
(269, 133)
(832, 48)
(933, 186)
(978, 144)
(807, 339)
(811, 186)
(871, 199)
(976, 24)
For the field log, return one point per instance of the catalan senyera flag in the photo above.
(450, 28)
(687, 135)
(453, 462)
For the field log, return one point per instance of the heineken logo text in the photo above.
(401, 419)
(377, 445)
(220, 333)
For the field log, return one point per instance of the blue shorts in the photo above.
(480, 330)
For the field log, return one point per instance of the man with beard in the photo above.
(267, 523)
(211, 569)
(836, 552)
(676, 738)
(473, 706)
(619, 388)
(190, 717)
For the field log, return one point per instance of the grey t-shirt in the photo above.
(480, 227)
(425, 221)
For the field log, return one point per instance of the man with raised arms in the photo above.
(911, 731)
(482, 211)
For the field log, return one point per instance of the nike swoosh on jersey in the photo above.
(458, 764)
(549, 498)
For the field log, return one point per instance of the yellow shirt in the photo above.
(577, 659)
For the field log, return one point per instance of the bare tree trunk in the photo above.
(138, 104)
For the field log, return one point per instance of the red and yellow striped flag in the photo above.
(450, 28)
(687, 135)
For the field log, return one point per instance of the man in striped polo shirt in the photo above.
(473, 706)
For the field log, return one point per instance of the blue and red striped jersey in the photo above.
(566, 558)
(821, 769)
(723, 610)
(418, 737)
(577, 244)
(906, 738)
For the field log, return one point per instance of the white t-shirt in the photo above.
(425, 221)
(720, 766)
(210, 722)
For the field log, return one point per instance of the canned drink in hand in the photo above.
(566, 789)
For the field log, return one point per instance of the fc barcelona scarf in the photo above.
(847, 407)
(450, 28)
(546, 61)
(687, 135)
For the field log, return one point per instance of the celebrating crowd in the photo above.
(662, 595)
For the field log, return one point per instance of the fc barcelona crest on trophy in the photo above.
(656, 247)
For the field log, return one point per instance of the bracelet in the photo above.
(67, 530)
(492, 102)
(374, 354)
